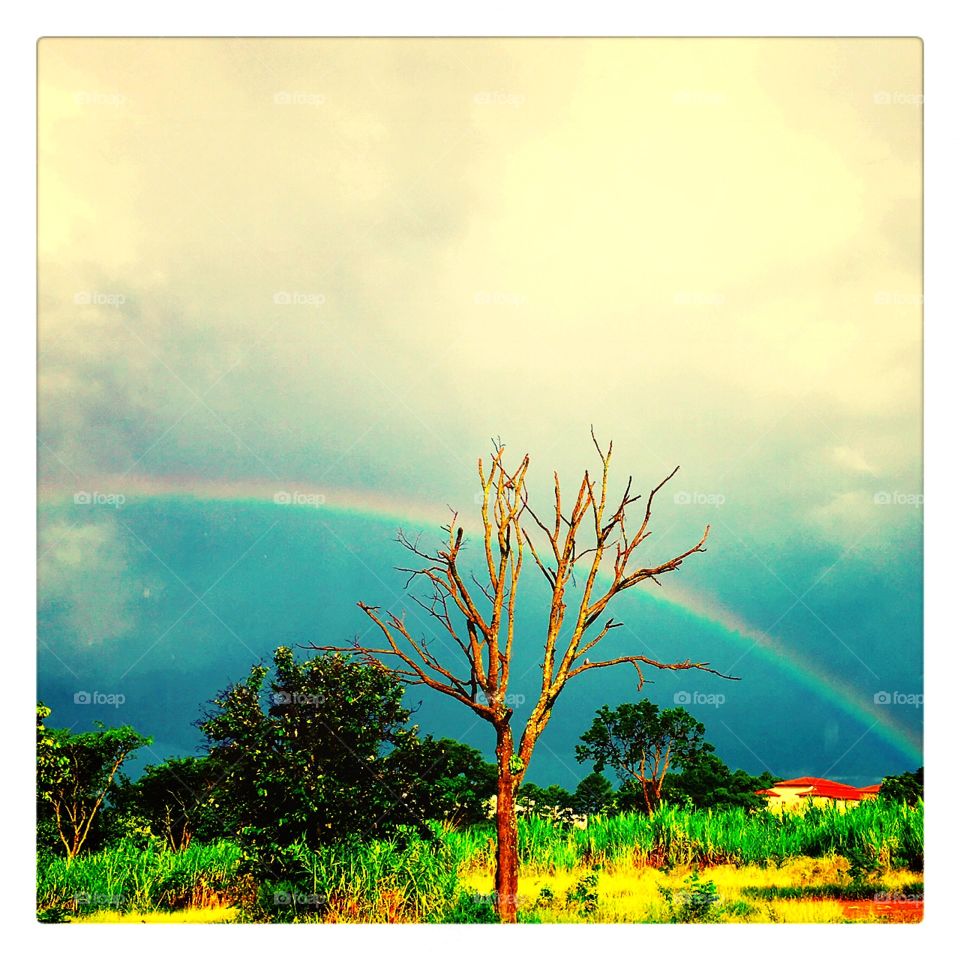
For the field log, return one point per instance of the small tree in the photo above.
(594, 795)
(312, 760)
(589, 536)
(552, 803)
(641, 742)
(175, 798)
(75, 772)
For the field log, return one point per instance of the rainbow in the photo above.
(812, 676)
(362, 503)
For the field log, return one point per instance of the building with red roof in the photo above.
(816, 791)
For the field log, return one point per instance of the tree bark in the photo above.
(508, 862)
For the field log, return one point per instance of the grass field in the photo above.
(674, 867)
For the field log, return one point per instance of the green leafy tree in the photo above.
(309, 758)
(445, 780)
(174, 798)
(706, 781)
(594, 795)
(905, 788)
(641, 743)
(52, 769)
(553, 802)
(74, 774)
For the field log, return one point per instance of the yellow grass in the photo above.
(631, 895)
(189, 915)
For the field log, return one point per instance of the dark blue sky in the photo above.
(196, 591)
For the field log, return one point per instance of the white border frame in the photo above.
(599, 18)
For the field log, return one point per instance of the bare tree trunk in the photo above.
(508, 862)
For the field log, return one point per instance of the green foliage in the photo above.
(546, 898)
(551, 803)
(706, 781)
(865, 862)
(838, 891)
(314, 765)
(125, 878)
(906, 788)
(173, 800)
(641, 742)
(584, 895)
(470, 908)
(53, 767)
(684, 837)
(594, 795)
(74, 773)
(695, 903)
(407, 876)
(400, 876)
(446, 780)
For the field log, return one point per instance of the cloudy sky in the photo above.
(335, 269)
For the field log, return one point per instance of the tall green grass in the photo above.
(406, 878)
(414, 878)
(879, 832)
(125, 878)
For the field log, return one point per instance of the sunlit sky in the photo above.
(343, 266)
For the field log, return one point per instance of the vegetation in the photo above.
(907, 788)
(706, 782)
(318, 801)
(444, 875)
(641, 742)
(322, 748)
(74, 773)
(172, 800)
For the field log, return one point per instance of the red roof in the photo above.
(766, 793)
(873, 788)
(838, 791)
(811, 782)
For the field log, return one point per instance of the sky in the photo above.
(289, 291)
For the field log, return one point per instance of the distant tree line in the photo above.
(324, 750)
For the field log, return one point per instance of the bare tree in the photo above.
(479, 618)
